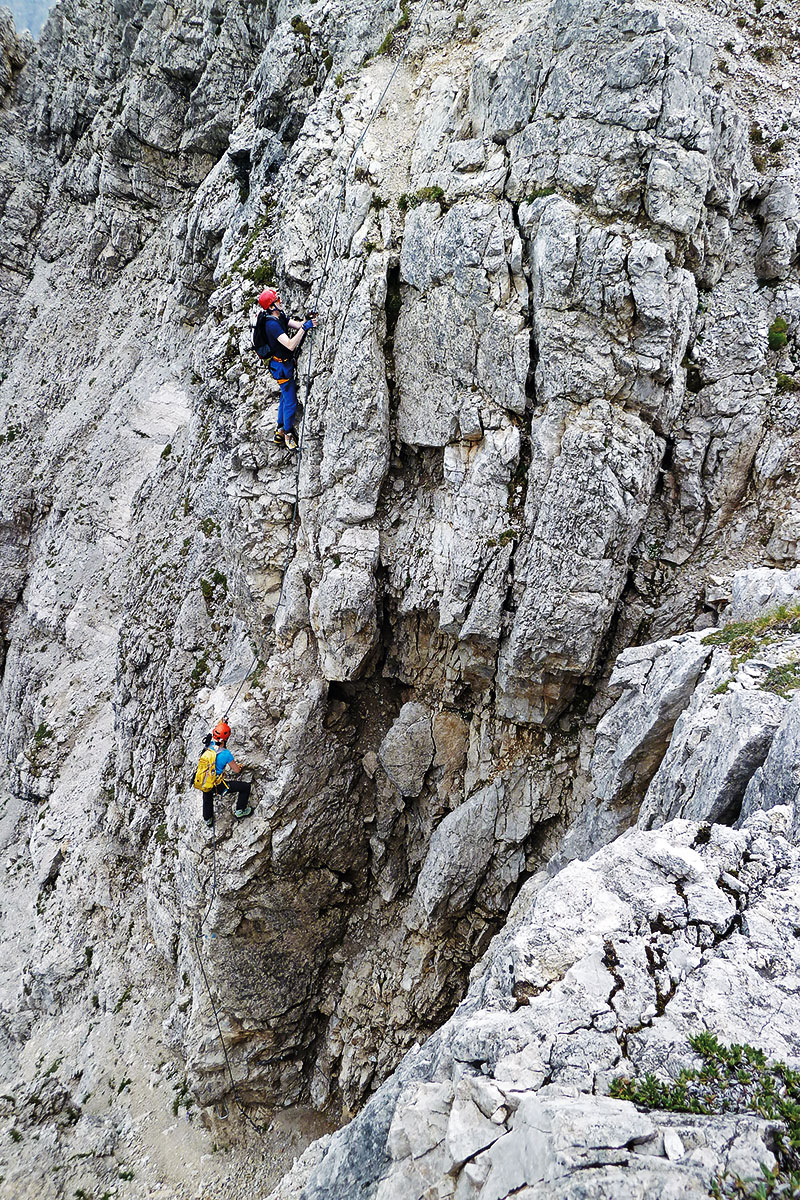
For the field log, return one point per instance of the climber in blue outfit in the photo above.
(275, 344)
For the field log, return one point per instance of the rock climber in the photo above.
(225, 762)
(276, 345)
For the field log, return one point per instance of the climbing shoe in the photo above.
(278, 436)
(243, 812)
(290, 441)
(209, 822)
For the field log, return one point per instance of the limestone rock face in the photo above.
(655, 683)
(406, 752)
(600, 971)
(780, 212)
(698, 714)
(714, 750)
(550, 442)
(777, 781)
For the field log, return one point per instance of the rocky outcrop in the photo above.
(776, 780)
(601, 971)
(715, 749)
(697, 714)
(654, 684)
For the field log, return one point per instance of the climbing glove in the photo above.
(309, 324)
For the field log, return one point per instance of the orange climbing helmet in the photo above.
(221, 731)
(268, 298)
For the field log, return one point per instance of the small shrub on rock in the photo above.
(783, 679)
(733, 1079)
(300, 26)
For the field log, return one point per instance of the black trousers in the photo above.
(237, 787)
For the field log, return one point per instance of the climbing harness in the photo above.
(290, 541)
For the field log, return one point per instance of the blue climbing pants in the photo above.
(283, 374)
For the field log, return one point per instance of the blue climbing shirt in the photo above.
(274, 326)
(223, 758)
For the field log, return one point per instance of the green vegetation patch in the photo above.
(426, 195)
(403, 23)
(742, 638)
(262, 275)
(783, 679)
(183, 1097)
(209, 586)
(300, 27)
(43, 734)
(733, 1079)
(200, 670)
(777, 334)
(786, 383)
(123, 1000)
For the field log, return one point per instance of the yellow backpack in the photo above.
(206, 777)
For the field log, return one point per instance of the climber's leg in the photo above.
(287, 405)
(241, 792)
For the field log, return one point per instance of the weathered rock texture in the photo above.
(603, 970)
(553, 411)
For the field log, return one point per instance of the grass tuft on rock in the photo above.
(777, 334)
(733, 1079)
(425, 195)
(742, 638)
(302, 28)
(783, 679)
(403, 23)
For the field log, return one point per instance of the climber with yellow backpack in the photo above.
(210, 777)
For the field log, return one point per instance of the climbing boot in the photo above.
(244, 812)
(278, 437)
(290, 441)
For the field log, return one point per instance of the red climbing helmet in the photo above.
(221, 731)
(268, 298)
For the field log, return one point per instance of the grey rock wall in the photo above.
(545, 416)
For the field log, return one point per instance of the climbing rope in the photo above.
(290, 545)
